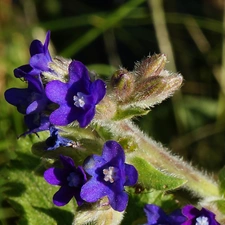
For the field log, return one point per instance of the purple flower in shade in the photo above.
(198, 217)
(109, 174)
(36, 123)
(31, 102)
(40, 57)
(69, 178)
(28, 100)
(55, 140)
(156, 216)
(77, 98)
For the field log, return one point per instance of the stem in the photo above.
(161, 158)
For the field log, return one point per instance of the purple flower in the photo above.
(109, 174)
(55, 140)
(31, 102)
(40, 57)
(156, 216)
(198, 217)
(77, 98)
(69, 178)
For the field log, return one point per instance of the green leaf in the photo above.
(127, 113)
(29, 195)
(85, 148)
(150, 177)
(222, 181)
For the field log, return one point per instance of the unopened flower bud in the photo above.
(154, 90)
(122, 83)
(151, 66)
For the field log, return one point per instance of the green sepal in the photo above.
(221, 176)
(128, 144)
(221, 205)
(150, 177)
(129, 112)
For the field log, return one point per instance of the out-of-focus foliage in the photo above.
(107, 34)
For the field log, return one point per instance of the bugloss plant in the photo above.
(108, 165)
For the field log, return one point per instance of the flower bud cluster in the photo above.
(147, 85)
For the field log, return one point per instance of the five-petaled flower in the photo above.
(198, 217)
(40, 57)
(155, 216)
(109, 174)
(77, 98)
(69, 178)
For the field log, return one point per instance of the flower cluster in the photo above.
(188, 215)
(61, 94)
(109, 174)
(59, 101)
(76, 97)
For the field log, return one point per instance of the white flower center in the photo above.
(109, 174)
(79, 100)
(202, 220)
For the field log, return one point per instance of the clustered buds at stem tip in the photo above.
(147, 85)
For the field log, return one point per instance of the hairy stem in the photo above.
(197, 182)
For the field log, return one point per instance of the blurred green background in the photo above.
(106, 34)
